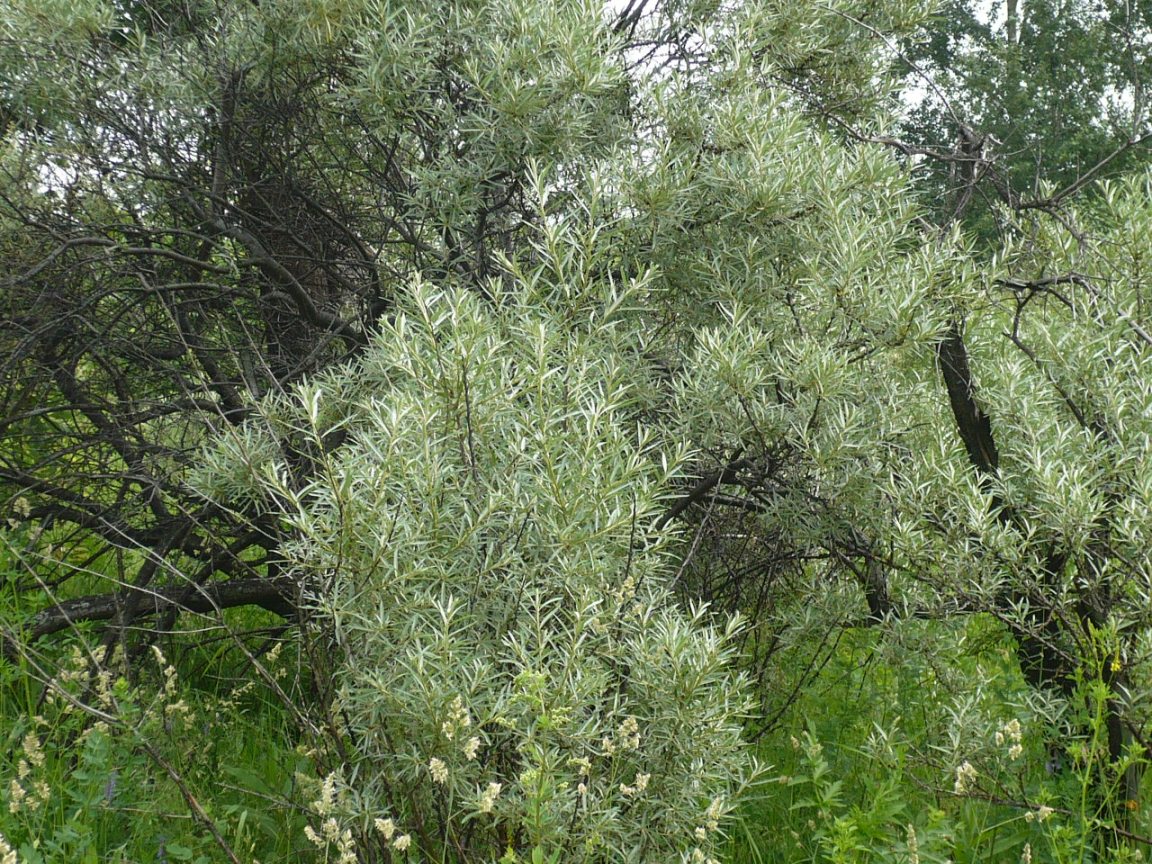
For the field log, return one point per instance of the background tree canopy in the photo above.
(500, 430)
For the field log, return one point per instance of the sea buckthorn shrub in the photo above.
(480, 532)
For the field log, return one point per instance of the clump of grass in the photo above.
(174, 756)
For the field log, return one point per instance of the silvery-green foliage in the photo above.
(484, 546)
(802, 305)
(808, 299)
(1061, 347)
(1059, 343)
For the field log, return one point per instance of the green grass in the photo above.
(94, 791)
(864, 764)
(863, 761)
